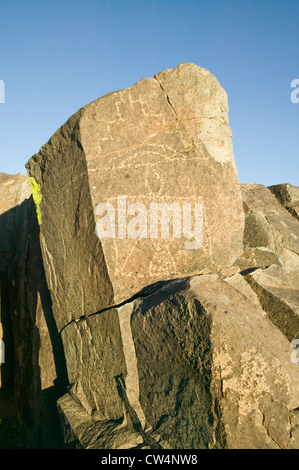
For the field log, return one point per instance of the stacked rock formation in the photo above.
(170, 291)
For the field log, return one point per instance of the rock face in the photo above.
(164, 143)
(31, 372)
(288, 196)
(205, 368)
(13, 190)
(222, 361)
(146, 338)
(269, 225)
(278, 299)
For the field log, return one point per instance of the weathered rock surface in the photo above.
(94, 355)
(30, 374)
(13, 190)
(140, 340)
(258, 256)
(269, 225)
(198, 362)
(81, 431)
(164, 140)
(278, 299)
(205, 368)
(288, 196)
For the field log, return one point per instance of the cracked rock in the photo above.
(165, 140)
(278, 298)
(272, 227)
(152, 300)
(288, 196)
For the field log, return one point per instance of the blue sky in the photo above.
(56, 56)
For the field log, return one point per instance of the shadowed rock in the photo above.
(140, 302)
(288, 196)
(278, 298)
(205, 368)
(165, 140)
(269, 225)
(14, 189)
(33, 375)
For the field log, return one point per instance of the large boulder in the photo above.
(288, 196)
(101, 180)
(278, 298)
(268, 225)
(139, 300)
(204, 368)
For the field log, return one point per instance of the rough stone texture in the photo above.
(278, 298)
(206, 368)
(34, 361)
(294, 441)
(269, 225)
(135, 348)
(74, 263)
(94, 356)
(165, 139)
(238, 282)
(13, 190)
(257, 257)
(81, 431)
(228, 346)
(288, 196)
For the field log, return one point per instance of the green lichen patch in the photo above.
(37, 197)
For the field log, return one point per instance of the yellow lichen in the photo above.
(37, 197)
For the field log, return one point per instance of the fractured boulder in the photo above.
(205, 368)
(271, 226)
(163, 145)
(152, 298)
(288, 196)
(278, 298)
